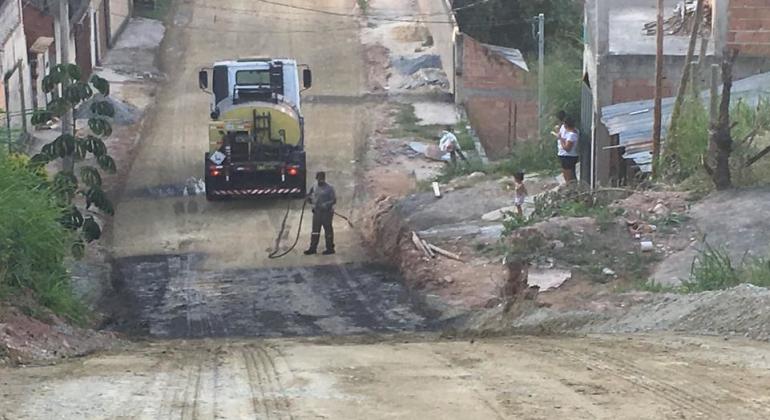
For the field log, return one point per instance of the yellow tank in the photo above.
(284, 123)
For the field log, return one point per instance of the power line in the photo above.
(404, 19)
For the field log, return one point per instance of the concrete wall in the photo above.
(436, 12)
(499, 97)
(749, 27)
(13, 47)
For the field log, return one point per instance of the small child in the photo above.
(520, 192)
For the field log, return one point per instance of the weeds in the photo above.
(513, 221)
(713, 269)
(408, 125)
(33, 243)
(654, 287)
(461, 168)
(530, 157)
(687, 141)
(364, 5)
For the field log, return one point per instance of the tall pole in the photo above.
(541, 71)
(657, 125)
(63, 44)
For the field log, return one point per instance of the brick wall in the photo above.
(749, 27)
(484, 70)
(500, 122)
(37, 24)
(628, 90)
(499, 97)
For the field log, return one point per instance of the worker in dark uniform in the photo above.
(323, 198)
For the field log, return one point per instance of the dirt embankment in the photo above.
(45, 338)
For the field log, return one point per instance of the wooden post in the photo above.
(688, 67)
(510, 122)
(714, 105)
(657, 118)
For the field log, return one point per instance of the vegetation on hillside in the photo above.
(33, 242)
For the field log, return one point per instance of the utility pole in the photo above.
(541, 72)
(657, 117)
(62, 43)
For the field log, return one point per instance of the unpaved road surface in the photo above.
(189, 268)
(198, 273)
(518, 378)
(163, 211)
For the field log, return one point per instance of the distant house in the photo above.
(494, 85)
(13, 63)
(619, 65)
(28, 36)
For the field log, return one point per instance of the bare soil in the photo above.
(595, 377)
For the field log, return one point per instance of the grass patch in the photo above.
(452, 171)
(408, 125)
(33, 242)
(363, 4)
(530, 157)
(713, 269)
(157, 9)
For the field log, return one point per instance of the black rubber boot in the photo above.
(310, 252)
(328, 252)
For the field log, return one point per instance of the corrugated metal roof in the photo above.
(512, 55)
(632, 122)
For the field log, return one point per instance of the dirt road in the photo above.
(187, 269)
(163, 211)
(517, 378)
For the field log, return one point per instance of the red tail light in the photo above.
(214, 172)
(293, 171)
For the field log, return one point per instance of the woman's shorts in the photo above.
(568, 162)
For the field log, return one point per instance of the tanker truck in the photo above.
(256, 132)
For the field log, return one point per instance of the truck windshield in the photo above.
(252, 77)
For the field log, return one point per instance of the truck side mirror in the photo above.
(203, 79)
(307, 78)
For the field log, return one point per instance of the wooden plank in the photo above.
(444, 252)
(427, 248)
(418, 244)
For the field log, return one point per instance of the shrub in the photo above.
(687, 141)
(33, 243)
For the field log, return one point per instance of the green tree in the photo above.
(508, 22)
(78, 188)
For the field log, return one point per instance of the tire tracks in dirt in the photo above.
(268, 394)
(696, 400)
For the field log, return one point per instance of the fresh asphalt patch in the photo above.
(169, 296)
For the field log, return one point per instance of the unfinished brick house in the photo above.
(498, 93)
(619, 64)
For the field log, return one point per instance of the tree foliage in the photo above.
(509, 22)
(72, 187)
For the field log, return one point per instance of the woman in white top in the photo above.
(568, 149)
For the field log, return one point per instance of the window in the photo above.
(252, 77)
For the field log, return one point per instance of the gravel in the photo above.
(741, 311)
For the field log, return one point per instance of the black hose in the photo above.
(274, 254)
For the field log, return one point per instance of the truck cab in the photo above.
(256, 132)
